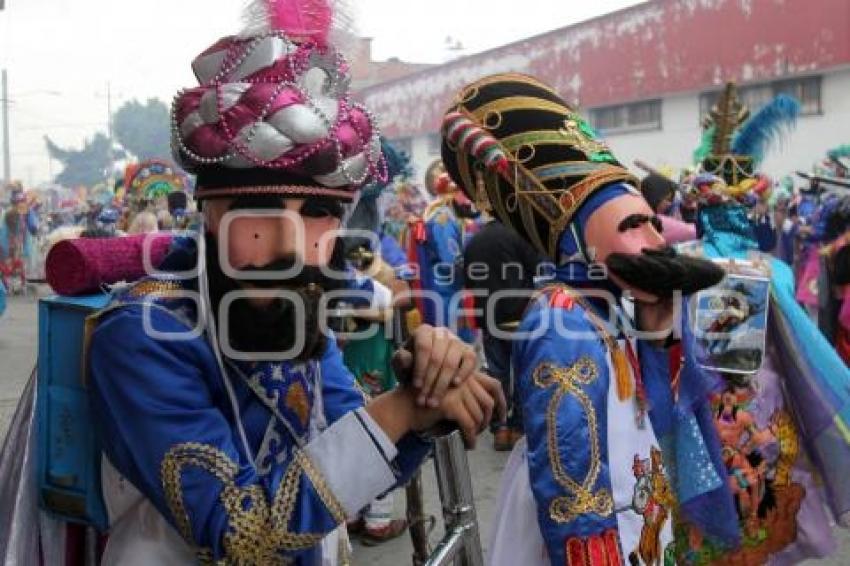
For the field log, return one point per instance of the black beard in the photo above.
(273, 327)
(663, 272)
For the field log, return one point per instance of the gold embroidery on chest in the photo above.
(259, 532)
(582, 500)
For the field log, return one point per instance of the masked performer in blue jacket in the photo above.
(619, 432)
(231, 429)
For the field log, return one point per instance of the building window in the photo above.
(627, 117)
(807, 90)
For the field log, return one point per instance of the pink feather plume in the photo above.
(300, 20)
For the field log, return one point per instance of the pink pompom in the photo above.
(305, 20)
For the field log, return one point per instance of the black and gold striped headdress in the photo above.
(516, 148)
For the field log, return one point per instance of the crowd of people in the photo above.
(665, 358)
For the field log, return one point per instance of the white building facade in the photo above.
(645, 76)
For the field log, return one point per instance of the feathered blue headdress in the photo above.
(766, 127)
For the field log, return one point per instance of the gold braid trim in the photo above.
(513, 103)
(582, 500)
(259, 533)
(154, 287)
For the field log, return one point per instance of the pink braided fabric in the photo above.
(82, 266)
(268, 102)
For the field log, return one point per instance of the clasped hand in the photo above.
(442, 382)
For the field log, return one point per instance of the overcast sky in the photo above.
(60, 54)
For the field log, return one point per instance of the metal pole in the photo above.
(7, 159)
(455, 483)
(417, 522)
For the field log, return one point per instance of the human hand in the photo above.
(438, 360)
(471, 406)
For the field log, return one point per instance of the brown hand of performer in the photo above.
(471, 406)
(434, 361)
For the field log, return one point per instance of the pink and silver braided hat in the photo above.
(272, 114)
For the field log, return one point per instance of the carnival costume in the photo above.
(18, 229)
(833, 280)
(813, 207)
(366, 247)
(611, 452)
(208, 457)
(435, 245)
(784, 402)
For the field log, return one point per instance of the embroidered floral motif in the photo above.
(258, 530)
(298, 403)
(582, 499)
(272, 383)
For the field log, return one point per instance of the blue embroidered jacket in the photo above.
(563, 384)
(561, 364)
(169, 425)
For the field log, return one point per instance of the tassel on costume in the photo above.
(622, 374)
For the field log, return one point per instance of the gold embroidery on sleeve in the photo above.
(258, 533)
(581, 500)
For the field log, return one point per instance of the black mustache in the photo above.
(665, 271)
(307, 276)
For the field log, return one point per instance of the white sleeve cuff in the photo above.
(354, 457)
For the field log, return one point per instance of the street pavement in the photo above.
(18, 346)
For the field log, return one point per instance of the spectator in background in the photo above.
(660, 193)
(497, 258)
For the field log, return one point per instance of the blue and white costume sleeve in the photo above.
(242, 475)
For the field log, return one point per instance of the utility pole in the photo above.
(109, 110)
(4, 98)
